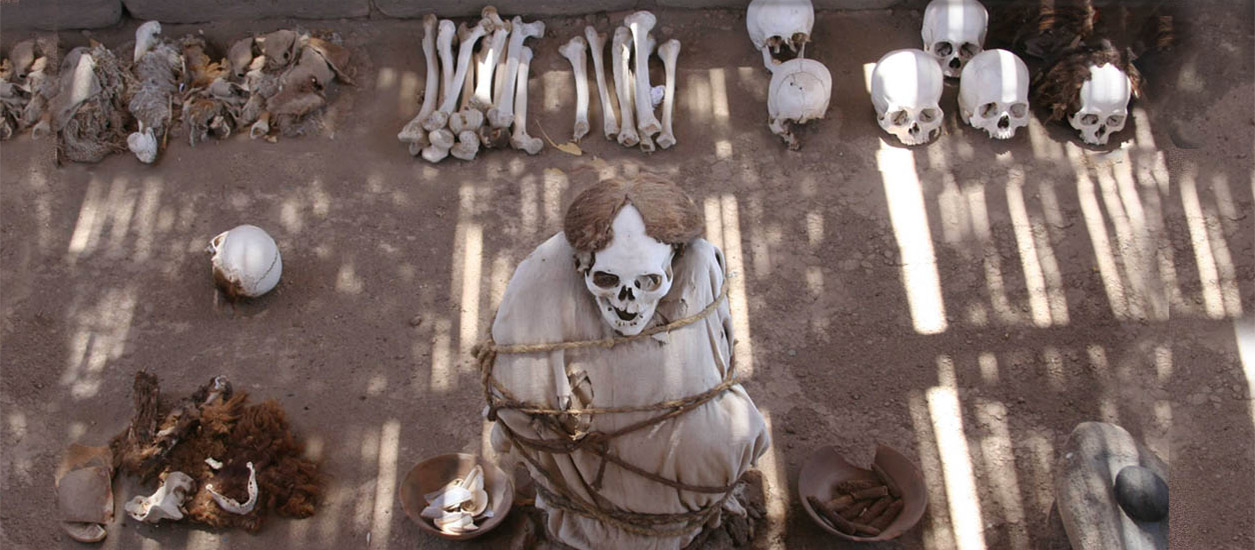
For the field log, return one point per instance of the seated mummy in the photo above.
(629, 260)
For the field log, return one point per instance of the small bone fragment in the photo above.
(165, 503)
(619, 54)
(574, 50)
(502, 115)
(640, 23)
(441, 141)
(232, 505)
(493, 47)
(413, 130)
(520, 139)
(261, 127)
(597, 44)
(215, 464)
(669, 51)
(440, 117)
(467, 146)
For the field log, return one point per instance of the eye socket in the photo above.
(943, 49)
(1019, 110)
(928, 115)
(989, 109)
(968, 50)
(1089, 120)
(1115, 120)
(605, 280)
(649, 283)
(900, 117)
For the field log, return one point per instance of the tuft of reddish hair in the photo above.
(669, 213)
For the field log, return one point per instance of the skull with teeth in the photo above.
(993, 93)
(631, 275)
(906, 92)
(954, 32)
(626, 235)
(1104, 104)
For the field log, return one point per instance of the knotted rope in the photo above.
(598, 443)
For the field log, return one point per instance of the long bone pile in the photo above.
(636, 122)
(482, 95)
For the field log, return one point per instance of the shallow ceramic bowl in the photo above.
(432, 474)
(826, 467)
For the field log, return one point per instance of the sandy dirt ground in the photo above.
(967, 302)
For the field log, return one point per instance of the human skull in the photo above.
(993, 93)
(630, 275)
(775, 22)
(799, 92)
(906, 91)
(954, 32)
(1104, 104)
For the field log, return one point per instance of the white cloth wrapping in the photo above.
(711, 445)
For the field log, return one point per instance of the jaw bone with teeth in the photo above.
(954, 32)
(630, 275)
(906, 92)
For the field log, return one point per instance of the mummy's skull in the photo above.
(630, 275)
(1104, 104)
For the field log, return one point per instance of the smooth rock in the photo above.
(1142, 494)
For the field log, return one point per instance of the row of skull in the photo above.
(907, 84)
(993, 84)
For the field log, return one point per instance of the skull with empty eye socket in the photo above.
(630, 275)
(954, 32)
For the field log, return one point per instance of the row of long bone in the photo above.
(92, 98)
(493, 92)
(636, 122)
(994, 85)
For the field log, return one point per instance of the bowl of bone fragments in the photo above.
(431, 497)
(862, 504)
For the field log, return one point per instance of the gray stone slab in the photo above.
(197, 11)
(1094, 455)
(525, 8)
(59, 14)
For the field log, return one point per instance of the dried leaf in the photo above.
(569, 147)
